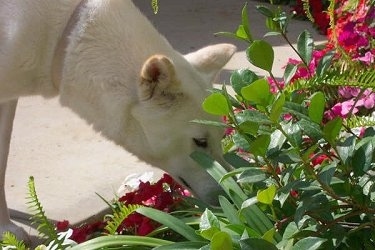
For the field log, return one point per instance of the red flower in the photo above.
(294, 193)
(319, 159)
(62, 226)
(322, 21)
(85, 232)
(163, 195)
(145, 227)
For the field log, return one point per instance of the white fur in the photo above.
(119, 74)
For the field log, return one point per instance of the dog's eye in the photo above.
(201, 142)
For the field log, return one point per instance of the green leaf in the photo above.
(260, 145)
(327, 173)
(253, 116)
(248, 127)
(254, 216)
(242, 78)
(216, 104)
(269, 235)
(294, 131)
(170, 221)
(324, 64)
(221, 241)
(277, 141)
(311, 129)
(261, 54)
(310, 203)
(305, 46)
(265, 11)
(235, 161)
(290, 71)
(332, 129)
(273, 26)
(249, 202)
(241, 141)
(256, 244)
(105, 242)
(241, 33)
(316, 108)
(277, 108)
(217, 172)
(290, 231)
(272, 33)
(252, 175)
(346, 149)
(230, 212)
(258, 92)
(229, 35)
(209, 225)
(266, 196)
(210, 123)
(310, 243)
(363, 158)
(188, 245)
(296, 109)
(245, 23)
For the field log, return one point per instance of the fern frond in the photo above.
(360, 121)
(10, 240)
(306, 8)
(155, 6)
(350, 78)
(45, 227)
(123, 211)
(361, 79)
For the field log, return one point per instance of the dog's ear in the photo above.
(211, 59)
(158, 79)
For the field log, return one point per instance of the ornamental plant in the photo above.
(301, 147)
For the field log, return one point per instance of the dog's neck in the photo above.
(60, 51)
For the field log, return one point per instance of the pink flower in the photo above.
(369, 99)
(343, 109)
(274, 86)
(348, 92)
(368, 58)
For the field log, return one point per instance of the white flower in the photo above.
(61, 236)
(132, 181)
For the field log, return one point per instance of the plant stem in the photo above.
(296, 51)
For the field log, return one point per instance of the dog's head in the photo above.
(171, 92)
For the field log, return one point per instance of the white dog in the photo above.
(109, 65)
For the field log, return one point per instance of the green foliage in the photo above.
(243, 31)
(11, 240)
(45, 227)
(122, 242)
(120, 213)
(305, 46)
(155, 6)
(216, 104)
(309, 176)
(335, 78)
(260, 53)
(170, 221)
